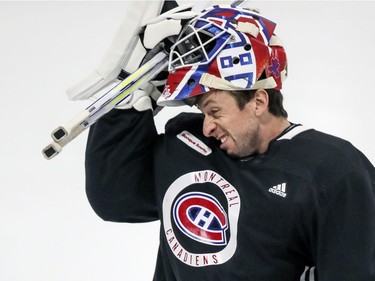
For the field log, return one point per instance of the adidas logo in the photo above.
(279, 189)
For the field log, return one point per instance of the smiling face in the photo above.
(236, 129)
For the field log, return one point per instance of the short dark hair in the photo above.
(275, 105)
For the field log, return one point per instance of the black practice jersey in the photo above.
(304, 210)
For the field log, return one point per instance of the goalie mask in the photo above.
(224, 48)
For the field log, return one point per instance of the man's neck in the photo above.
(270, 130)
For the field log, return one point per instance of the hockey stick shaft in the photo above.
(65, 133)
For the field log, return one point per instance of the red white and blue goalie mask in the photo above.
(224, 48)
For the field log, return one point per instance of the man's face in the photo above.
(237, 130)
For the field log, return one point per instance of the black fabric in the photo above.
(308, 202)
(114, 165)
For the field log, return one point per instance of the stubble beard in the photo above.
(246, 143)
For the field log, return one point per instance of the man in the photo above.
(241, 192)
(242, 130)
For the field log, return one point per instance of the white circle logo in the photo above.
(201, 217)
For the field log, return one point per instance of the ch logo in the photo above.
(201, 217)
(210, 224)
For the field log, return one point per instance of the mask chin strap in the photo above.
(215, 82)
(268, 83)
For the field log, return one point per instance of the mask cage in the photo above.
(199, 42)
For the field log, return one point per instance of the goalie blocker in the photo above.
(146, 23)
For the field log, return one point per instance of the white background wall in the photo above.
(48, 230)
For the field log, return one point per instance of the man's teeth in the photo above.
(223, 139)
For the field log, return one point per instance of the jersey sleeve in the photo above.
(342, 224)
(119, 166)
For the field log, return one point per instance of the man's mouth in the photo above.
(223, 139)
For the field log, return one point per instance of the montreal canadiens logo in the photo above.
(201, 217)
(199, 229)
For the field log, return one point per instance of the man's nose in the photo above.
(209, 127)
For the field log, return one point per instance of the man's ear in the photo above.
(261, 101)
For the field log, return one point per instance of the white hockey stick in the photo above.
(63, 134)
